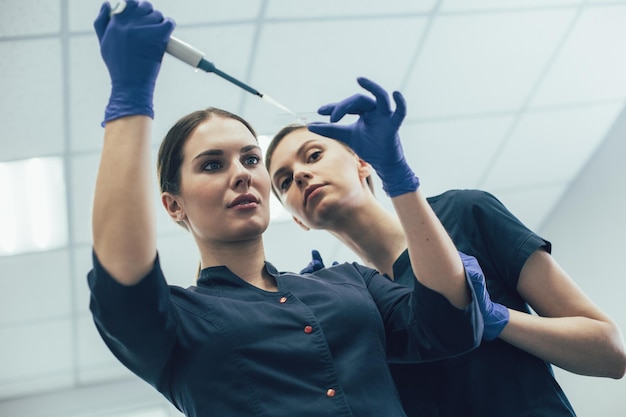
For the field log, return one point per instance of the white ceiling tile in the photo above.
(88, 93)
(532, 205)
(29, 17)
(31, 109)
(591, 66)
(288, 246)
(603, 2)
(179, 258)
(304, 65)
(28, 291)
(28, 388)
(483, 63)
(453, 153)
(94, 359)
(490, 5)
(551, 146)
(327, 8)
(83, 171)
(82, 13)
(204, 12)
(82, 265)
(181, 89)
(26, 366)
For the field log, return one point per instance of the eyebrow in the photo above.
(280, 171)
(219, 152)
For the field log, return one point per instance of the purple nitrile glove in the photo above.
(132, 44)
(316, 263)
(495, 316)
(374, 137)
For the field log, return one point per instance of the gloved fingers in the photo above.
(160, 30)
(315, 265)
(400, 113)
(382, 97)
(129, 11)
(326, 109)
(355, 104)
(101, 22)
(342, 133)
(134, 11)
(317, 257)
(153, 18)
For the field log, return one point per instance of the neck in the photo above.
(374, 234)
(246, 259)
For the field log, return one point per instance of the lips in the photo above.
(243, 200)
(310, 190)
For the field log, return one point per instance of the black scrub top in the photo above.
(317, 347)
(497, 379)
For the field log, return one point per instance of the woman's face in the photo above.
(224, 185)
(317, 179)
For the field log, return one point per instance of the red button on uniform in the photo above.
(308, 329)
(330, 392)
(283, 300)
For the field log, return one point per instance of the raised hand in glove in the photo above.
(132, 44)
(316, 263)
(374, 137)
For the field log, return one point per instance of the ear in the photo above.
(172, 207)
(299, 223)
(365, 169)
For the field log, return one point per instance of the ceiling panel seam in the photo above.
(533, 90)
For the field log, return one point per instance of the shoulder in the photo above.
(464, 198)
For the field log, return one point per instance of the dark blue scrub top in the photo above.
(317, 347)
(497, 379)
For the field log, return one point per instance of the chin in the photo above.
(256, 227)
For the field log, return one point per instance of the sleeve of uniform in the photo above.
(136, 322)
(421, 325)
(495, 235)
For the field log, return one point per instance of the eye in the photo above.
(314, 156)
(285, 183)
(212, 165)
(252, 160)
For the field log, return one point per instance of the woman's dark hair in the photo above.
(170, 157)
(282, 133)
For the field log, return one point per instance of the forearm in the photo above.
(123, 212)
(434, 258)
(577, 344)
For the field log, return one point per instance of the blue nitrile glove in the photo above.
(316, 263)
(374, 137)
(132, 44)
(495, 316)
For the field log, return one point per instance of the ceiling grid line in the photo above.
(420, 45)
(253, 51)
(67, 158)
(533, 90)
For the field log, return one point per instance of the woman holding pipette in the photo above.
(246, 340)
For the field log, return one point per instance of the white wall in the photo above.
(588, 231)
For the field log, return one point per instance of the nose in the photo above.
(302, 178)
(242, 177)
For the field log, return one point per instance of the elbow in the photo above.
(617, 366)
(620, 369)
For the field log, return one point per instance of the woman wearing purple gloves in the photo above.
(246, 340)
(324, 184)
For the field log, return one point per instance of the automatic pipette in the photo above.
(190, 55)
